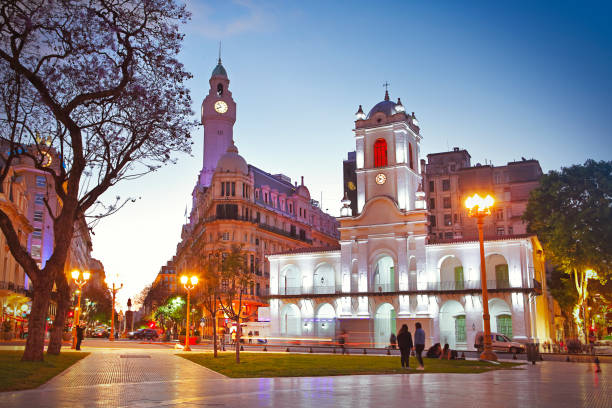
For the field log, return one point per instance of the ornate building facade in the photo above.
(386, 273)
(237, 203)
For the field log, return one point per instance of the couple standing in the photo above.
(404, 341)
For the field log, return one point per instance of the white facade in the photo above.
(385, 274)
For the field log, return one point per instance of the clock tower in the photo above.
(218, 117)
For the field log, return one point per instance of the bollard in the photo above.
(364, 351)
(388, 352)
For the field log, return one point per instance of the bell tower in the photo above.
(218, 117)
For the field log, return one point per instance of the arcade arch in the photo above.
(452, 324)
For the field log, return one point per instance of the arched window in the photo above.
(411, 156)
(380, 153)
(220, 89)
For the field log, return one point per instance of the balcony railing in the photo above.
(443, 286)
(12, 286)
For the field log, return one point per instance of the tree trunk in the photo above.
(238, 335)
(35, 344)
(214, 328)
(63, 303)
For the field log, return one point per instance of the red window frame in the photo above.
(380, 153)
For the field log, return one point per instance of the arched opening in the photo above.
(290, 282)
(384, 325)
(380, 153)
(451, 274)
(220, 89)
(497, 272)
(452, 324)
(326, 321)
(324, 280)
(384, 275)
(290, 320)
(411, 156)
(501, 317)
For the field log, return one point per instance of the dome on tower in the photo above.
(219, 70)
(232, 162)
(387, 107)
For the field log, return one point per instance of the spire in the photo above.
(219, 52)
(386, 85)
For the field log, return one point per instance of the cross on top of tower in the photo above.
(386, 85)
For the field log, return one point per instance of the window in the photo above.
(222, 189)
(37, 233)
(446, 203)
(252, 264)
(448, 220)
(38, 216)
(446, 185)
(432, 220)
(227, 188)
(233, 189)
(499, 214)
(504, 325)
(500, 231)
(498, 178)
(35, 251)
(510, 230)
(432, 185)
(432, 203)
(501, 276)
(453, 167)
(448, 235)
(460, 336)
(292, 232)
(456, 221)
(225, 236)
(39, 199)
(380, 153)
(459, 277)
(410, 154)
(41, 181)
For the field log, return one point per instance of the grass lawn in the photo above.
(312, 365)
(18, 375)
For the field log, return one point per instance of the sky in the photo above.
(504, 81)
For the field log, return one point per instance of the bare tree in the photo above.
(95, 84)
(235, 281)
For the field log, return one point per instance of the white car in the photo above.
(500, 343)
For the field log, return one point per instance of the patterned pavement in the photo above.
(143, 378)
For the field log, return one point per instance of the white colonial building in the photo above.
(385, 274)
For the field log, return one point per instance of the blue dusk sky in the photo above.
(504, 81)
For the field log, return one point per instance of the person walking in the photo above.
(79, 333)
(419, 344)
(392, 341)
(404, 341)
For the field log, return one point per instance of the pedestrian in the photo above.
(446, 353)
(597, 366)
(250, 337)
(79, 333)
(342, 340)
(234, 337)
(392, 341)
(419, 344)
(404, 341)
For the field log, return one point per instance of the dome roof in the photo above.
(219, 71)
(232, 162)
(387, 107)
(302, 191)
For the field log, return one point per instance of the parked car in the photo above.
(499, 342)
(602, 347)
(100, 333)
(148, 334)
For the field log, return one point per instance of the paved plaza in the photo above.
(143, 377)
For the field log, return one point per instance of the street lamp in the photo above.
(80, 279)
(189, 284)
(114, 291)
(479, 208)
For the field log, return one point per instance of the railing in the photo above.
(259, 224)
(317, 290)
(383, 287)
(12, 286)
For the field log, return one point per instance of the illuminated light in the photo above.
(194, 280)
(75, 274)
(86, 275)
(591, 274)
(184, 279)
(477, 205)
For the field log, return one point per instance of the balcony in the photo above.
(13, 287)
(465, 287)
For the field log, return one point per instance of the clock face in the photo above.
(46, 159)
(221, 107)
(381, 178)
(351, 186)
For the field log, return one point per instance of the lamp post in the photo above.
(114, 291)
(588, 274)
(80, 279)
(189, 284)
(479, 208)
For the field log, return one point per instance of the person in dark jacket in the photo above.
(392, 341)
(419, 344)
(79, 333)
(404, 341)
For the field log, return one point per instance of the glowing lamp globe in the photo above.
(478, 205)
(194, 280)
(75, 274)
(184, 279)
(86, 275)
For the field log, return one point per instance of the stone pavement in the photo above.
(143, 378)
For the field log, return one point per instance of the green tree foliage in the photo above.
(171, 313)
(571, 212)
